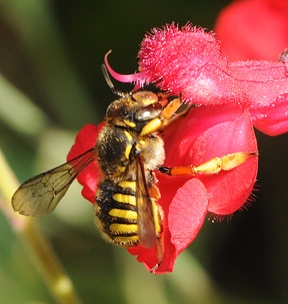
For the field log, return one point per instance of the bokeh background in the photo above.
(51, 85)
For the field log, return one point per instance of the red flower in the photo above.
(232, 98)
(253, 29)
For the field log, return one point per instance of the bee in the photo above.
(129, 149)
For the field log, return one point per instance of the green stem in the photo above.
(42, 253)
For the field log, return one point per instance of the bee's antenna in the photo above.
(109, 82)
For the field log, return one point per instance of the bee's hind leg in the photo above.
(214, 166)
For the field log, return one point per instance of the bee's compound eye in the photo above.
(147, 113)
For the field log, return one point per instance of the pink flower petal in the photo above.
(187, 212)
(266, 83)
(149, 256)
(228, 191)
(262, 81)
(185, 216)
(139, 78)
(209, 132)
(188, 61)
(272, 120)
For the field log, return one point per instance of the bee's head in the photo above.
(134, 110)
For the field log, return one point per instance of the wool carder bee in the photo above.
(129, 149)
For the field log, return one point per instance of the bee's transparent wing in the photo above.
(146, 224)
(41, 194)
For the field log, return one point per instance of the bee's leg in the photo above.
(170, 109)
(160, 253)
(158, 220)
(214, 166)
(166, 117)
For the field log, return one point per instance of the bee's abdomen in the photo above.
(116, 212)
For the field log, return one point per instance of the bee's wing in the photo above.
(145, 219)
(41, 194)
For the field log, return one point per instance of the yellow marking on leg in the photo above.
(231, 161)
(158, 227)
(127, 214)
(121, 169)
(125, 198)
(128, 184)
(152, 126)
(128, 150)
(130, 123)
(128, 135)
(126, 228)
(213, 166)
(225, 163)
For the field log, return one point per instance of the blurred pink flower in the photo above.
(253, 29)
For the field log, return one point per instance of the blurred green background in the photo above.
(51, 85)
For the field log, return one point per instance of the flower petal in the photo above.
(215, 131)
(272, 120)
(187, 212)
(187, 61)
(139, 78)
(183, 219)
(266, 83)
(190, 62)
(90, 176)
(148, 256)
(229, 190)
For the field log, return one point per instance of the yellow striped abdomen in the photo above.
(116, 212)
